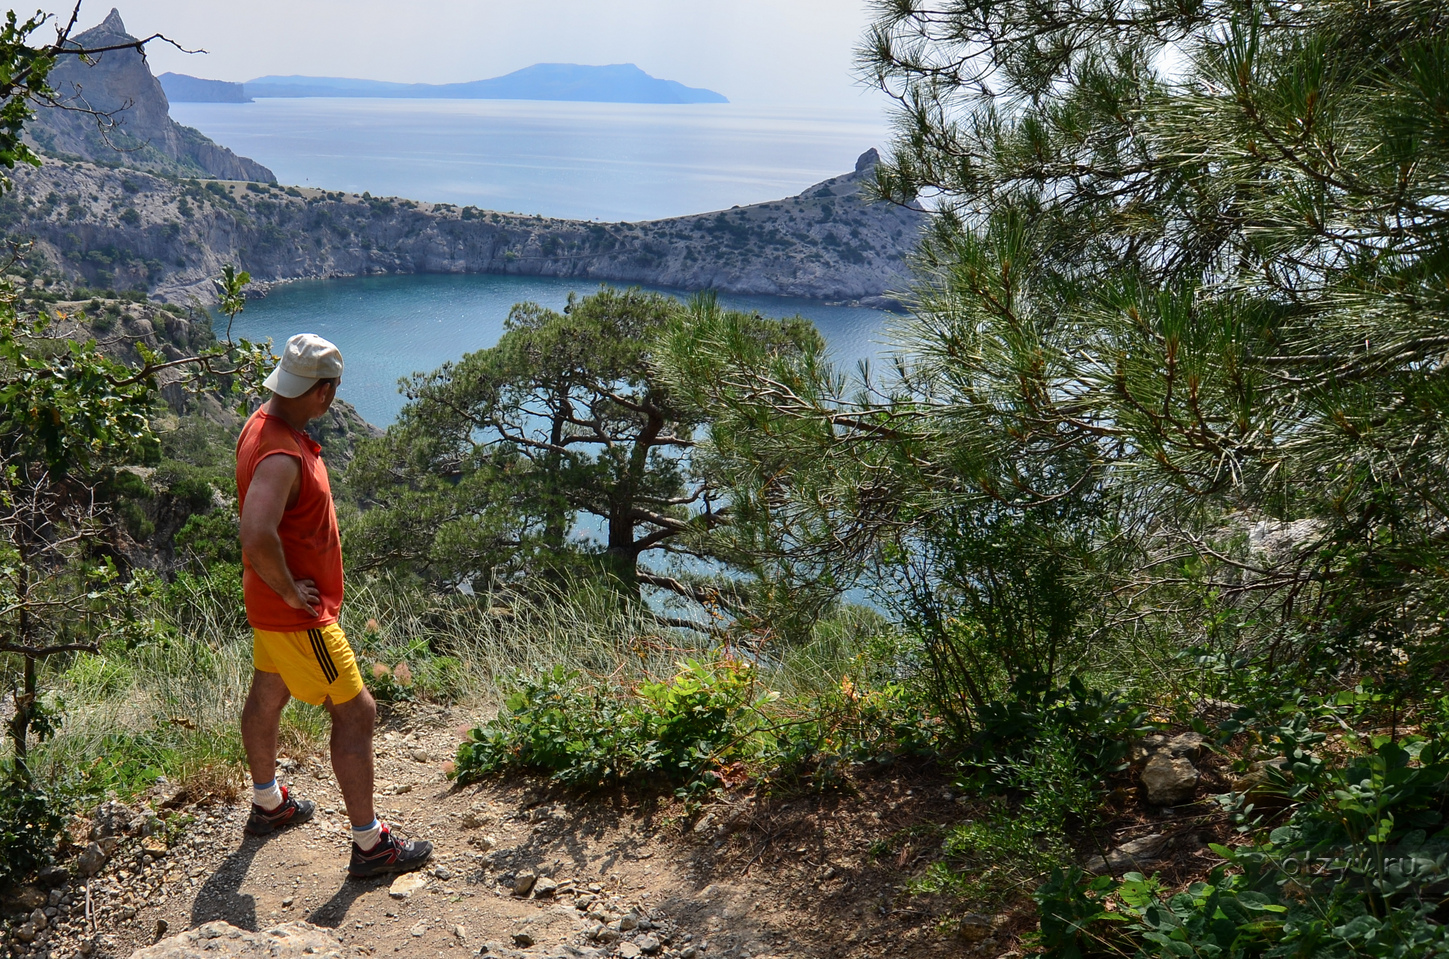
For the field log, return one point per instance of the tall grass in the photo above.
(168, 703)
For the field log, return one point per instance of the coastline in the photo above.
(126, 229)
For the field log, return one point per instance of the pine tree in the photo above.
(1186, 279)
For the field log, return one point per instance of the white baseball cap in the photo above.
(306, 359)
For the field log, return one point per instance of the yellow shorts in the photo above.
(315, 663)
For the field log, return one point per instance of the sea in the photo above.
(605, 161)
(389, 327)
(613, 162)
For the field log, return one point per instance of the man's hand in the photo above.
(306, 595)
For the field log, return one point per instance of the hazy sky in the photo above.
(778, 52)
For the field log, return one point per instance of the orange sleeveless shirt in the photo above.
(308, 530)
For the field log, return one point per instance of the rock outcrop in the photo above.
(221, 940)
(134, 128)
(124, 229)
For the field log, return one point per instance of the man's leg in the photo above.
(260, 719)
(352, 724)
(375, 850)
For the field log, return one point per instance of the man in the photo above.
(292, 582)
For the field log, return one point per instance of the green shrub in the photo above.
(681, 731)
(31, 820)
(188, 484)
(1008, 851)
(1358, 869)
(849, 724)
(1096, 727)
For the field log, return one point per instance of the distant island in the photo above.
(616, 83)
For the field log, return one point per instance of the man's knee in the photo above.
(359, 712)
(268, 693)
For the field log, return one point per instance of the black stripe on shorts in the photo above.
(324, 657)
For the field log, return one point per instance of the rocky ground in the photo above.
(520, 871)
(525, 871)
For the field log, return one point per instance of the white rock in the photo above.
(405, 885)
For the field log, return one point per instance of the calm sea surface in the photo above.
(579, 160)
(390, 326)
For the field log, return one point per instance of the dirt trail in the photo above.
(616, 877)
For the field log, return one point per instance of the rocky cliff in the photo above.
(135, 128)
(126, 229)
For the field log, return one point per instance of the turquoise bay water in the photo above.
(611, 161)
(390, 326)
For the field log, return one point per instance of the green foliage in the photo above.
(819, 738)
(25, 68)
(230, 286)
(557, 454)
(72, 422)
(1356, 870)
(31, 820)
(1094, 727)
(680, 731)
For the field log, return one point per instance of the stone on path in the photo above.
(90, 862)
(407, 884)
(221, 940)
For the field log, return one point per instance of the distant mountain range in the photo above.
(616, 83)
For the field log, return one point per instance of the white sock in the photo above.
(267, 795)
(367, 836)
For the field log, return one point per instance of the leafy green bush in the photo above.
(1358, 869)
(31, 820)
(586, 734)
(388, 684)
(212, 539)
(1095, 727)
(1020, 840)
(188, 484)
(850, 723)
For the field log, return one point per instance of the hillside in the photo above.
(134, 128)
(133, 230)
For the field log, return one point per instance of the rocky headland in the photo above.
(110, 109)
(129, 229)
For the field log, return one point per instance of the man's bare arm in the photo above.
(274, 482)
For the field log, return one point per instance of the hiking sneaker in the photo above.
(391, 854)
(289, 813)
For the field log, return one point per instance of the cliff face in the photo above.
(128, 230)
(119, 83)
